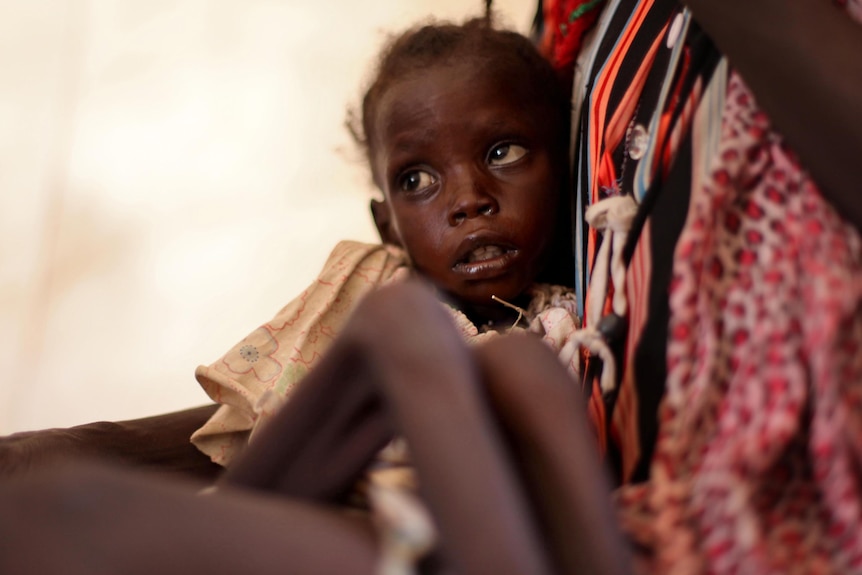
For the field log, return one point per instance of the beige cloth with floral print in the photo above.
(254, 377)
(280, 352)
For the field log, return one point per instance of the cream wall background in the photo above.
(172, 172)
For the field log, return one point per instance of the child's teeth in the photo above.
(485, 253)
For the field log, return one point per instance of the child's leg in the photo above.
(400, 360)
(544, 417)
(90, 520)
(434, 394)
(401, 347)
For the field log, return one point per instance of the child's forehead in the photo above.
(487, 78)
(462, 89)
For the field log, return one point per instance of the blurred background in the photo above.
(172, 172)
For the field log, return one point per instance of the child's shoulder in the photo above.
(352, 250)
(350, 257)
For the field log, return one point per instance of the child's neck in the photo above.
(495, 315)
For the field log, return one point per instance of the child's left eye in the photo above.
(506, 154)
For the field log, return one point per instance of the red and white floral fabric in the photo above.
(758, 459)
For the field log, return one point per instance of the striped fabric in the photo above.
(644, 76)
(736, 427)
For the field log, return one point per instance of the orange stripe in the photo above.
(624, 112)
(598, 417)
(624, 424)
(603, 141)
(601, 96)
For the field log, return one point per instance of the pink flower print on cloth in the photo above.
(255, 354)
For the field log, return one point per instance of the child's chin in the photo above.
(490, 294)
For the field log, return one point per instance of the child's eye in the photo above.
(506, 154)
(416, 181)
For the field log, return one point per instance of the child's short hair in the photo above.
(439, 43)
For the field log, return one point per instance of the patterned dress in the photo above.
(736, 425)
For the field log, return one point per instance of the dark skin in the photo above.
(159, 443)
(475, 436)
(91, 518)
(471, 199)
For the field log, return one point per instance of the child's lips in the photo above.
(484, 257)
(488, 268)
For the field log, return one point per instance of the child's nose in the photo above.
(470, 200)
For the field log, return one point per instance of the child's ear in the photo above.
(383, 220)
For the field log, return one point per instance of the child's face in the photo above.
(466, 163)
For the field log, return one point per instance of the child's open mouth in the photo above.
(485, 260)
(485, 253)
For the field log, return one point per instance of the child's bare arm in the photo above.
(160, 442)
